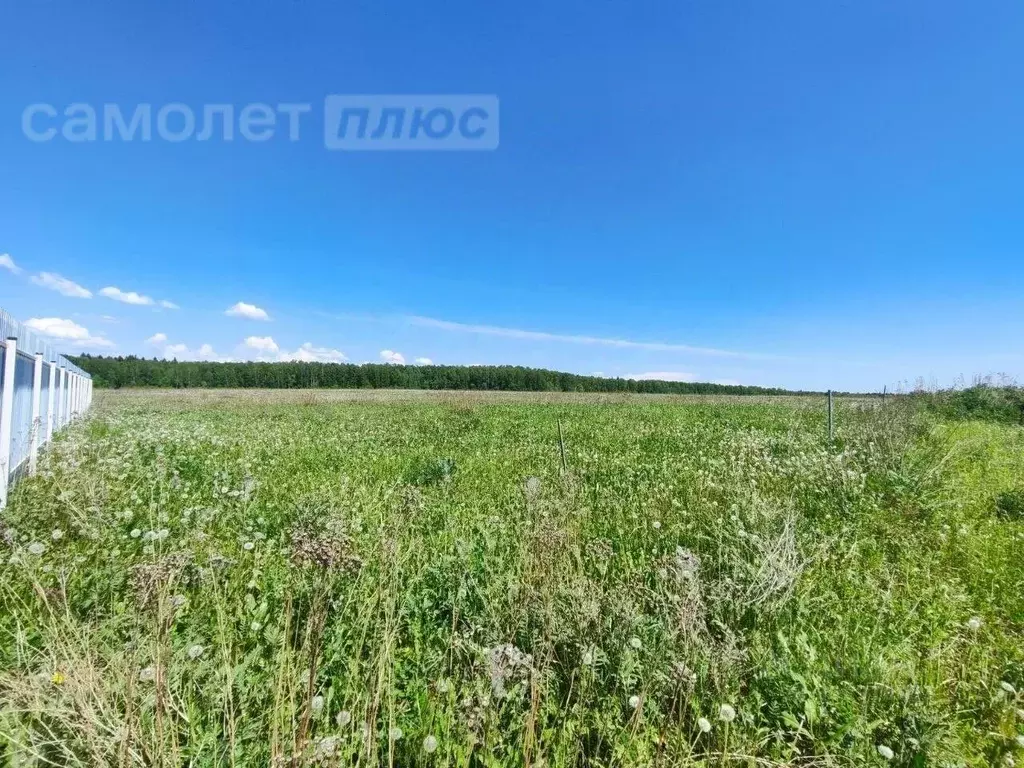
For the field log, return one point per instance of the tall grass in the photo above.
(204, 582)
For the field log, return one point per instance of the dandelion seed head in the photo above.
(885, 752)
(248, 546)
(317, 704)
(57, 534)
(343, 718)
(974, 623)
(430, 744)
(656, 525)
(726, 713)
(635, 644)
(704, 724)
(634, 701)
(395, 733)
(195, 651)
(135, 533)
(36, 548)
(147, 674)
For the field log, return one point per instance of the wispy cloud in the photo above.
(8, 263)
(126, 297)
(60, 284)
(248, 311)
(67, 330)
(517, 333)
(168, 304)
(662, 376)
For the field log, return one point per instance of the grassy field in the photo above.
(253, 578)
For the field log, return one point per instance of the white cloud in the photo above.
(8, 263)
(168, 304)
(177, 350)
(62, 285)
(388, 356)
(424, 361)
(516, 333)
(248, 311)
(726, 382)
(206, 350)
(263, 344)
(662, 376)
(307, 353)
(157, 338)
(108, 318)
(67, 330)
(128, 297)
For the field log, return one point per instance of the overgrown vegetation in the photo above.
(117, 372)
(191, 581)
(1001, 404)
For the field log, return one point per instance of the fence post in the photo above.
(73, 398)
(50, 394)
(37, 392)
(830, 421)
(6, 414)
(61, 400)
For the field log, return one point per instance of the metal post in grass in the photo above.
(561, 446)
(6, 414)
(37, 392)
(830, 419)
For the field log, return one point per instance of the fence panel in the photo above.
(21, 418)
(21, 435)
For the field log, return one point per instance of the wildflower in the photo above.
(634, 701)
(135, 533)
(635, 644)
(57, 678)
(974, 623)
(343, 718)
(395, 733)
(726, 713)
(317, 704)
(36, 548)
(195, 651)
(248, 546)
(656, 525)
(147, 674)
(430, 744)
(325, 747)
(885, 752)
(1007, 687)
(704, 724)
(57, 534)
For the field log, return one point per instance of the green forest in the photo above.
(116, 372)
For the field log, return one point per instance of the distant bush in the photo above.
(1004, 405)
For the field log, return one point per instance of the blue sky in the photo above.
(803, 194)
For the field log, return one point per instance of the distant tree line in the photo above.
(116, 372)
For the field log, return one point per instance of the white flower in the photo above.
(635, 644)
(395, 733)
(1007, 687)
(135, 533)
(974, 623)
(36, 548)
(634, 701)
(726, 713)
(195, 651)
(885, 752)
(317, 704)
(343, 718)
(704, 724)
(429, 744)
(57, 534)
(656, 525)
(147, 674)
(248, 546)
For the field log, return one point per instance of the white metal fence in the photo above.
(41, 392)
